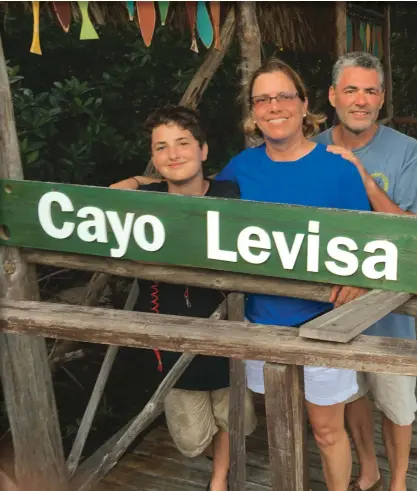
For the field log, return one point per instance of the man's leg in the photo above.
(361, 427)
(395, 397)
(331, 437)
(397, 441)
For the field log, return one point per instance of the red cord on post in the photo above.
(155, 308)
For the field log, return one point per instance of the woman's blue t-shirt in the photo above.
(319, 179)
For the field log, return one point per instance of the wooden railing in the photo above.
(284, 350)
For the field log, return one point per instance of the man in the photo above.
(387, 162)
(197, 408)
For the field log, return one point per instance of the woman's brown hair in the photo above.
(311, 122)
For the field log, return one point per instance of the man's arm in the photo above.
(379, 200)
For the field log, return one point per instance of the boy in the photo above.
(197, 407)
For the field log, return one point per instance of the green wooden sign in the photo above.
(366, 249)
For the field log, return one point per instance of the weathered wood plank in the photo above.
(154, 466)
(239, 340)
(237, 282)
(237, 473)
(256, 472)
(344, 323)
(159, 442)
(107, 456)
(213, 233)
(99, 386)
(24, 367)
(286, 427)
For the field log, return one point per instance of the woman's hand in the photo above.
(344, 294)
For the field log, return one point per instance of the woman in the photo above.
(289, 168)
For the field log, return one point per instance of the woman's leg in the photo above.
(331, 437)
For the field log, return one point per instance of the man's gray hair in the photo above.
(360, 60)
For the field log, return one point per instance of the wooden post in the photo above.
(250, 49)
(387, 63)
(340, 25)
(284, 403)
(24, 367)
(237, 473)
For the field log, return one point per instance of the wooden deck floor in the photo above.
(156, 465)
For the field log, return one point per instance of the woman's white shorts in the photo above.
(323, 386)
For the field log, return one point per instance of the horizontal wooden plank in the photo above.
(240, 340)
(344, 323)
(237, 282)
(372, 250)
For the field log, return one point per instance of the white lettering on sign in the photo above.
(45, 216)
(213, 240)
(95, 226)
(244, 242)
(345, 261)
(253, 244)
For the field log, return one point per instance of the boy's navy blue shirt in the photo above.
(319, 179)
(205, 373)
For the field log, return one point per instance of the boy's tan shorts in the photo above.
(194, 417)
(394, 395)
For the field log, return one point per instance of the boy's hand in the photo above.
(134, 182)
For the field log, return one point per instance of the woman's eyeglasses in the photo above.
(264, 99)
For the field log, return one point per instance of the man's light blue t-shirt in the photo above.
(391, 159)
(319, 179)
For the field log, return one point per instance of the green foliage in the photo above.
(80, 106)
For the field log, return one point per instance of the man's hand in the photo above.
(344, 294)
(351, 157)
(134, 182)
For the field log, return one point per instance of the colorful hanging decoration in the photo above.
(36, 45)
(349, 34)
(163, 11)
(131, 9)
(215, 19)
(147, 20)
(204, 27)
(191, 8)
(63, 13)
(87, 28)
